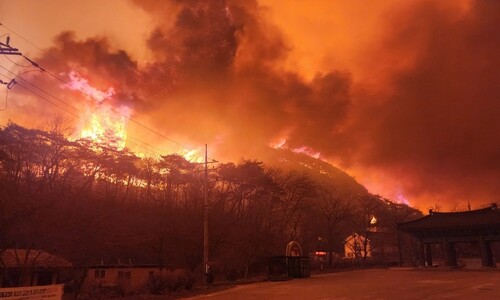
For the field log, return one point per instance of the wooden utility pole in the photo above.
(205, 221)
(6, 49)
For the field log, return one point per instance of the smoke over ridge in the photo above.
(426, 126)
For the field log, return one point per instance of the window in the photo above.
(99, 273)
(123, 274)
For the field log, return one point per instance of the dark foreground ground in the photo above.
(374, 284)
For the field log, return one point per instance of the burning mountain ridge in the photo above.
(321, 171)
(415, 116)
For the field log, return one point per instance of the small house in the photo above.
(125, 277)
(357, 246)
(30, 267)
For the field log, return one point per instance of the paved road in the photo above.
(374, 284)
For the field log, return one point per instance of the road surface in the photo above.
(373, 284)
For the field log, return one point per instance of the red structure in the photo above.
(480, 227)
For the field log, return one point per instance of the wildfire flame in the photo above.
(105, 124)
(102, 123)
(193, 156)
(106, 127)
(77, 82)
(308, 151)
(281, 143)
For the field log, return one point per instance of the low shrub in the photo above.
(170, 281)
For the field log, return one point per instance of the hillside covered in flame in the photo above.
(403, 95)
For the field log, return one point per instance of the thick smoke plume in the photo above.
(436, 129)
(217, 76)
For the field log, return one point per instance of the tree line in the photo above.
(91, 203)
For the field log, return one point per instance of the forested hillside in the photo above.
(91, 203)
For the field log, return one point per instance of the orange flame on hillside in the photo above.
(102, 123)
(193, 156)
(107, 127)
(308, 151)
(282, 143)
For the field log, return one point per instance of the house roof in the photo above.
(353, 236)
(15, 258)
(475, 219)
(125, 266)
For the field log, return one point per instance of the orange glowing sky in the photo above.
(403, 95)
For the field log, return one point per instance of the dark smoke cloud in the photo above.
(439, 128)
(93, 59)
(202, 41)
(217, 78)
(223, 57)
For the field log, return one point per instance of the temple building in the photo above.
(450, 234)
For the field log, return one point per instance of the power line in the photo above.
(90, 96)
(78, 116)
(42, 90)
(42, 97)
(76, 109)
(15, 63)
(119, 113)
(7, 49)
(26, 40)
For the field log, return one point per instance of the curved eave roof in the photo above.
(15, 258)
(481, 218)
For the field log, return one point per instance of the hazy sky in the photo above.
(403, 95)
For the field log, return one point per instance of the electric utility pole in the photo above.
(205, 220)
(7, 49)
(206, 206)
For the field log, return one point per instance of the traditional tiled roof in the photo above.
(475, 219)
(16, 258)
